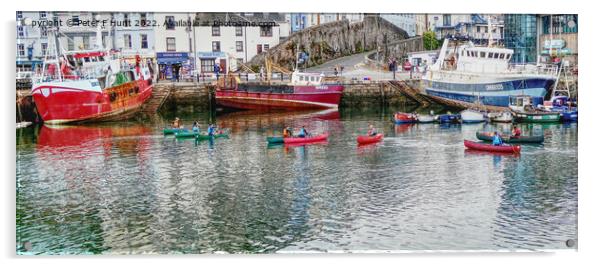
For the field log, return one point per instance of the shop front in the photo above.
(212, 61)
(173, 65)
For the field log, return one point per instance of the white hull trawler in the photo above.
(468, 74)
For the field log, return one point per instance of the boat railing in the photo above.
(542, 69)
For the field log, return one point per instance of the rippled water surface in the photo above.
(125, 188)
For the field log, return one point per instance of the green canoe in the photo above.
(167, 131)
(186, 134)
(488, 136)
(275, 139)
(204, 136)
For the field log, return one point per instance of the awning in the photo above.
(172, 58)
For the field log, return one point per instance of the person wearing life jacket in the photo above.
(516, 131)
(372, 131)
(211, 130)
(195, 127)
(497, 139)
(303, 133)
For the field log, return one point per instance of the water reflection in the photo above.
(126, 188)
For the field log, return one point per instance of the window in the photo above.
(482, 54)
(143, 41)
(43, 31)
(259, 49)
(171, 43)
(266, 47)
(127, 41)
(446, 20)
(75, 19)
(170, 23)
(265, 31)
(21, 49)
(239, 31)
(70, 44)
(490, 55)
(20, 31)
(19, 15)
(86, 41)
(207, 65)
(42, 14)
(44, 48)
(239, 46)
(215, 46)
(143, 19)
(496, 55)
(126, 20)
(215, 31)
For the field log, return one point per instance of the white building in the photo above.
(32, 41)
(239, 40)
(137, 37)
(467, 26)
(407, 22)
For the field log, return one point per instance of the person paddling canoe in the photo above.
(287, 132)
(210, 130)
(303, 133)
(176, 123)
(195, 127)
(372, 131)
(516, 131)
(497, 139)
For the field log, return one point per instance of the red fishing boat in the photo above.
(304, 91)
(90, 85)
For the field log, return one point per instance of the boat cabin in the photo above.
(483, 59)
(299, 78)
(520, 102)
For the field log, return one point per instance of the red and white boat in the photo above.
(304, 91)
(90, 85)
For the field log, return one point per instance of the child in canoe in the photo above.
(195, 127)
(497, 139)
(372, 131)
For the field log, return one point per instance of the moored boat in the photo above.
(449, 118)
(471, 116)
(90, 85)
(502, 117)
(366, 139)
(492, 148)
(523, 110)
(426, 118)
(488, 136)
(401, 117)
(304, 91)
(300, 140)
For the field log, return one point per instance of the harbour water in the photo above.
(125, 188)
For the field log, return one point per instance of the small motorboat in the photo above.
(448, 118)
(492, 148)
(426, 118)
(309, 139)
(401, 117)
(168, 131)
(367, 139)
(471, 116)
(488, 136)
(503, 117)
(275, 139)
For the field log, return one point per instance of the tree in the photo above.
(430, 41)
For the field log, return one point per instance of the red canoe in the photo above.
(298, 140)
(365, 139)
(491, 148)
